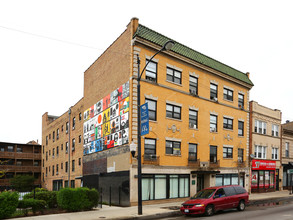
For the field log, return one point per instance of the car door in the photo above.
(231, 198)
(219, 199)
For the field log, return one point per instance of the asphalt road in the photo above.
(267, 212)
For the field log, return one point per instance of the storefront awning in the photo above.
(205, 172)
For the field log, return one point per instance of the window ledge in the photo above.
(175, 155)
(174, 83)
(196, 129)
(153, 121)
(227, 129)
(175, 119)
(241, 136)
(228, 100)
(228, 158)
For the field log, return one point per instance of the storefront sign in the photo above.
(263, 165)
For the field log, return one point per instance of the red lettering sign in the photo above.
(263, 165)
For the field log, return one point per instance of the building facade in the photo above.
(19, 159)
(199, 118)
(265, 148)
(287, 154)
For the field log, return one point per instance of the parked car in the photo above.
(212, 199)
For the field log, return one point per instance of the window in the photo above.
(228, 94)
(46, 171)
(152, 106)
(43, 163)
(36, 163)
(73, 165)
(53, 153)
(192, 152)
(240, 155)
(173, 111)
(80, 116)
(213, 92)
(19, 149)
(228, 123)
(275, 130)
(173, 147)
(260, 127)
(57, 169)
(61, 146)
(67, 127)
(73, 123)
(192, 119)
(240, 101)
(151, 71)
(46, 140)
(18, 163)
(73, 144)
(79, 139)
(53, 170)
(226, 179)
(46, 155)
(61, 166)
(72, 183)
(275, 153)
(193, 85)
(67, 146)
(62, 128)
(173, 75)
(260, 152)
(57, 134)
(66, 167)
(10, 148)
(213, 154)
(57, 151)
(227, 152)
(240, 128)
(213, 123)
(287, 149)
(79, 161)
(149, 146)
(53, 136)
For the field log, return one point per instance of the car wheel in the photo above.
(241, 206)
(209, 210)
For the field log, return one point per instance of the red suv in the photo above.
(210, 200)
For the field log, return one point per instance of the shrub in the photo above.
(49, 196)
(77, 199)
(35, 204)
(8, 203)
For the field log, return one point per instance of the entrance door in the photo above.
(277, 179)
(200, 182)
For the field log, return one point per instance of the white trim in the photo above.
(193, 108)
(241, 92)
(173, 139)
(174, 67)
(240, 119)
(230, 146)
(227, 87)
(213, 113)
(214, 82)
(193, 74)
(149, 57)
(173, 103)
(225, 116)
(151, 97)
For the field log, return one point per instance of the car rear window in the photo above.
(230, 191)
(239, 190)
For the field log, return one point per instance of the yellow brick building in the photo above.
(199, 118)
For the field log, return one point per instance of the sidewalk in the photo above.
(149, 211)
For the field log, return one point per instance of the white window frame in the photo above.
(262, 150)
(260, 127)
(275, 153)
(275, 130)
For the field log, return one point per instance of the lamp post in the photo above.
(167, 46)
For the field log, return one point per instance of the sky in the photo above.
(46, 46)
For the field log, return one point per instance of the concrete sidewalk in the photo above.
(155, 211)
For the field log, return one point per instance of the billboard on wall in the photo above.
(106, 123)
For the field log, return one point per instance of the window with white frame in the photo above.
(193, 85)
(192, 119)
(151, 71)
(240, 155)
(228, 123)
(213, 91)
(275, 130)
(287, 149)
(173, 111)
(173, 75)
(173, 147)
(260, 127)
(227, 152)
(152, 106)
(228, 94)
(213, 123)
(275, 153)
(149, 146)
(240, 128)
(240, 100)
(260, 151)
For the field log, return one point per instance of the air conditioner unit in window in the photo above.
(240, 106)
(192, 92)
(215, 99)
(213, 129)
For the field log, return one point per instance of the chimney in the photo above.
(248, 74)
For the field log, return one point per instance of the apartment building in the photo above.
(19, 159)
(199, 118)
(287, 154)
(62, 148)
(265, 148)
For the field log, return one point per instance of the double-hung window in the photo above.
(151, 71)
(192, 152)
(275, 153)
(173, 147)
(213, 154)
(240, 155)
(149, 146)
(173, 75)
(213, 91)
(213, 123)
(240, 100)
(173, 111)
(73, 123)
(152, 106)
(192, 119)
(275, 130)
(240, 128)
(287, 149)
(228, 123)
(228, 94)
(73, 144)
(193, 85)
(260, 151)
(260, 127)
(227, 152)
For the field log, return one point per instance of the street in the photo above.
(267, 212)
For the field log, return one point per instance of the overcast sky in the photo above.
(46, 46)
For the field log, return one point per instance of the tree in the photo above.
(2, 171)
(22, 183)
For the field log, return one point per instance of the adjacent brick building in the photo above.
(199, 122)
(19, 159)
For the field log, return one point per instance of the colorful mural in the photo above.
(106, 123)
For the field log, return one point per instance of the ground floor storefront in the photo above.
(263, 176)
(287, 175)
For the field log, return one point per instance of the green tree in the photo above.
(22, 183)
(2, 171)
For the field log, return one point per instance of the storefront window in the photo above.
(174, 186)
(267, 179)
(272, 179)
(261, 179)
(148, 187)
(226, 179)
(184, 187)
(254, 179)
(160, 189)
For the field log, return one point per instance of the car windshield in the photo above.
(204, 194)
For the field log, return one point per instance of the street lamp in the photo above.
(167, 46)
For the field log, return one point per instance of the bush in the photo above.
(49, 196)
(8, 203)
(77, 199)
(35, 204)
